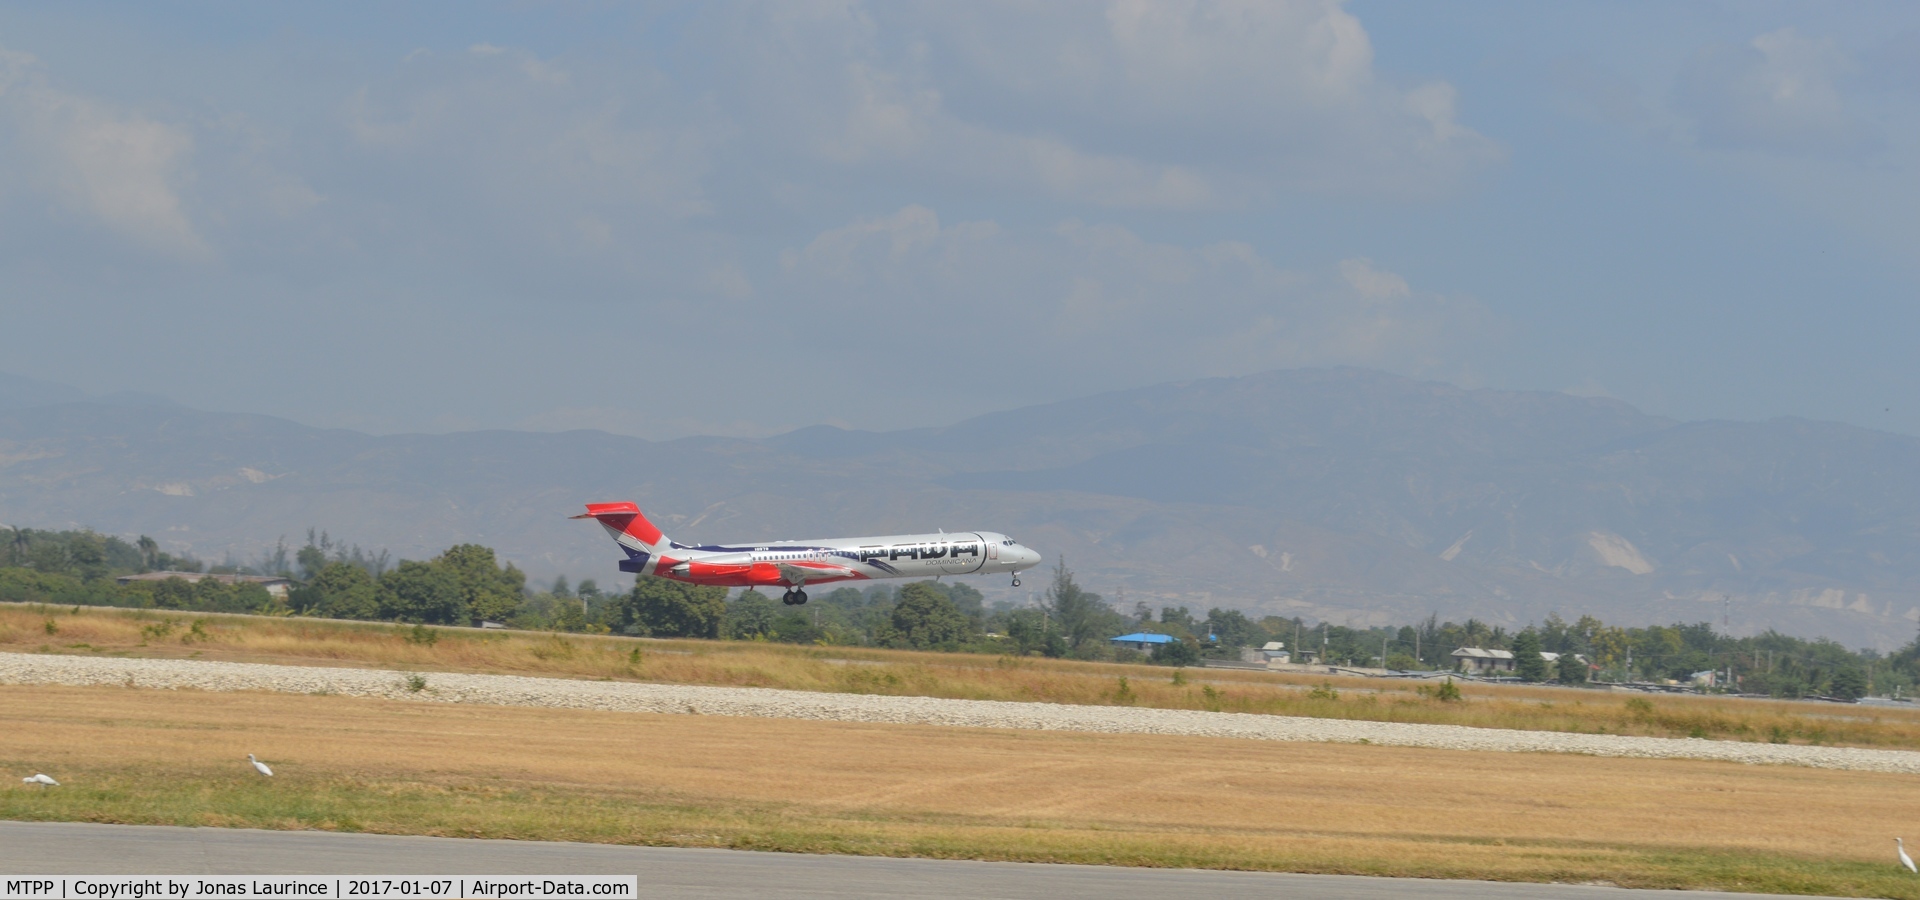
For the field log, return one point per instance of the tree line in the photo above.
(467, 584)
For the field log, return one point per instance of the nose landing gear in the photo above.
(1016, 581)
(794, 598)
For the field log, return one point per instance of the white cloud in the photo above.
(1102, 301)
(122, 168)
(1127, 104)
(570, 157)
(1780, 91)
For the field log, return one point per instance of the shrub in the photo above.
(1447, 692)
(1176, 653)
(1211, 699)
(1849, 684)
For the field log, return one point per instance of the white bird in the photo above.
(41, 780)
(259, 766)
(1905, 860)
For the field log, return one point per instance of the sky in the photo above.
(725, 218)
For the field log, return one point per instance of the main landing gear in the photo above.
(794, 597)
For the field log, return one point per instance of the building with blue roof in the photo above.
(1141, 641)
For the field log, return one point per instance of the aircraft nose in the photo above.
(1028, 557)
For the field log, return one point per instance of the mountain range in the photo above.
(1334, 494)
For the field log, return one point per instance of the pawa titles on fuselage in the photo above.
(792, 564)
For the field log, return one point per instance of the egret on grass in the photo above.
(259, 766)
(41, 780)
(1905, 860)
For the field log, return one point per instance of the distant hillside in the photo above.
(1342, 494)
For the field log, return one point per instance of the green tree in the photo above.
(1571, 670)
(88, 554)
(210, 594)
(1849, 684)
(173, 593)
(490, 591)
(423, 592)
(795, 627)
(1178, 621)
(312, 558)
(750, 615)
(1176, 653)
(923, 617)
(340, 591)
(1083, 618)
(1527, 661)
(1234, 629)
(969, 601)
(1029, 630)
(249, 597)
(664, 608)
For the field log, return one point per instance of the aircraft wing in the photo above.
(801, 573)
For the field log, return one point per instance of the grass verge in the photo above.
(349, 764)
(148, 633)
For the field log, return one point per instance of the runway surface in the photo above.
(58, 848)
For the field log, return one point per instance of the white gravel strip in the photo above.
(514, 690)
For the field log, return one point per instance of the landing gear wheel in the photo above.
(787, 598)
(1016, 582)
(799, 598)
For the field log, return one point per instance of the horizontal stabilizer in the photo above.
(596, 510)
(624, 519)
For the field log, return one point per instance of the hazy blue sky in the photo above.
(727, 218)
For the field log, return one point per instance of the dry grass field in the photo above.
(88, 630)
(164, 757)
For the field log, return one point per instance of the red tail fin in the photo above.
(626, 519)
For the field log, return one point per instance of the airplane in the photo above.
(795, 564)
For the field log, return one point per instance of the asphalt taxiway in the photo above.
(60, 848)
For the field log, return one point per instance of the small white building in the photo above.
(1274, 653)
(275, 585)
(1477, 661)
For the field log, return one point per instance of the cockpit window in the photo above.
(1007, 543)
